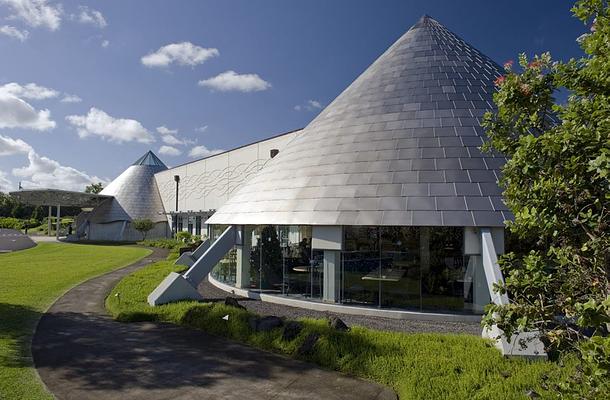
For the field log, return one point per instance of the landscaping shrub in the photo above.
(557, 183)
(184, 236)
(11, 223)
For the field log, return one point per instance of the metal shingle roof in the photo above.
(398, 147)
(135, 193)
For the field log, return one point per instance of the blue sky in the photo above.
(239, 71)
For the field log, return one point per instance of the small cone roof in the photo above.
(135, 193)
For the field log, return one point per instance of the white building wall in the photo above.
(208, 183)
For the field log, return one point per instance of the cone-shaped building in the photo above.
(398, 147)
(135, 196)
(384, 199)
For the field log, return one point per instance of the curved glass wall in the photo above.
(418, 268)
(226, 269)
(398, 267)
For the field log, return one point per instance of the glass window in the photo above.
(226, 269)
(198, 225)
(419, 268)
(442, 268)
(296, 252)
(361, 266)
(190, 225)
(266, 258)
(400, 274)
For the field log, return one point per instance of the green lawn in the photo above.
(30, 280)
(417, 366)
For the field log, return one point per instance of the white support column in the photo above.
(522, 344)
(57, 227)
(49, 222)
(243, 258)
(332, 276)
(329, 239)
(491, 266)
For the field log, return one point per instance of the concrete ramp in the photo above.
(189, 258)
(178, 287)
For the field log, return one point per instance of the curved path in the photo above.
(81, 353)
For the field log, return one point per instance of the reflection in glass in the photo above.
(361, 266)
(296, 252)
(266, 256)
(400, 274)
(419, 268)
(226, 269)
(402, 267)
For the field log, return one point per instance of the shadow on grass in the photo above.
(16, 330)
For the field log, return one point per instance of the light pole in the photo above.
(177, 179)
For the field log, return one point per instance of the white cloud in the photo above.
(202, 128)
(118, 130)
(166, 131)
(310, 105)
(184, 53)
(10, 146)
(169, 139)
(90, 16)
(202, 151)
(314, 104)
(71, 98)
(105, 43)
(43, 172)
(35, 13)
(29, 91)
(232, 81)
(16, 113)
(5, 183)
(169, 151)
(169, 136)
(13, 32)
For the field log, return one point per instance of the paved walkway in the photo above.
(81, 353)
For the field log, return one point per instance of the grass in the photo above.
(417, 366)
(30, 280)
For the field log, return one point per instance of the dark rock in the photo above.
(337, 323)
(253, 322)
(291, 330)
(308, 344)
(532, 394)
(232, 302)
(268, 323)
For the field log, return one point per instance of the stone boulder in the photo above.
(291, 330)
(265, 324)
(337, 324)
(308, 344)
(232, 302)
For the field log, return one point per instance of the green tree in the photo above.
(184, 236)
(143, 226)
(556, 182)
(94, 188)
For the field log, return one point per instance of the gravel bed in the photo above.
(212, 293)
